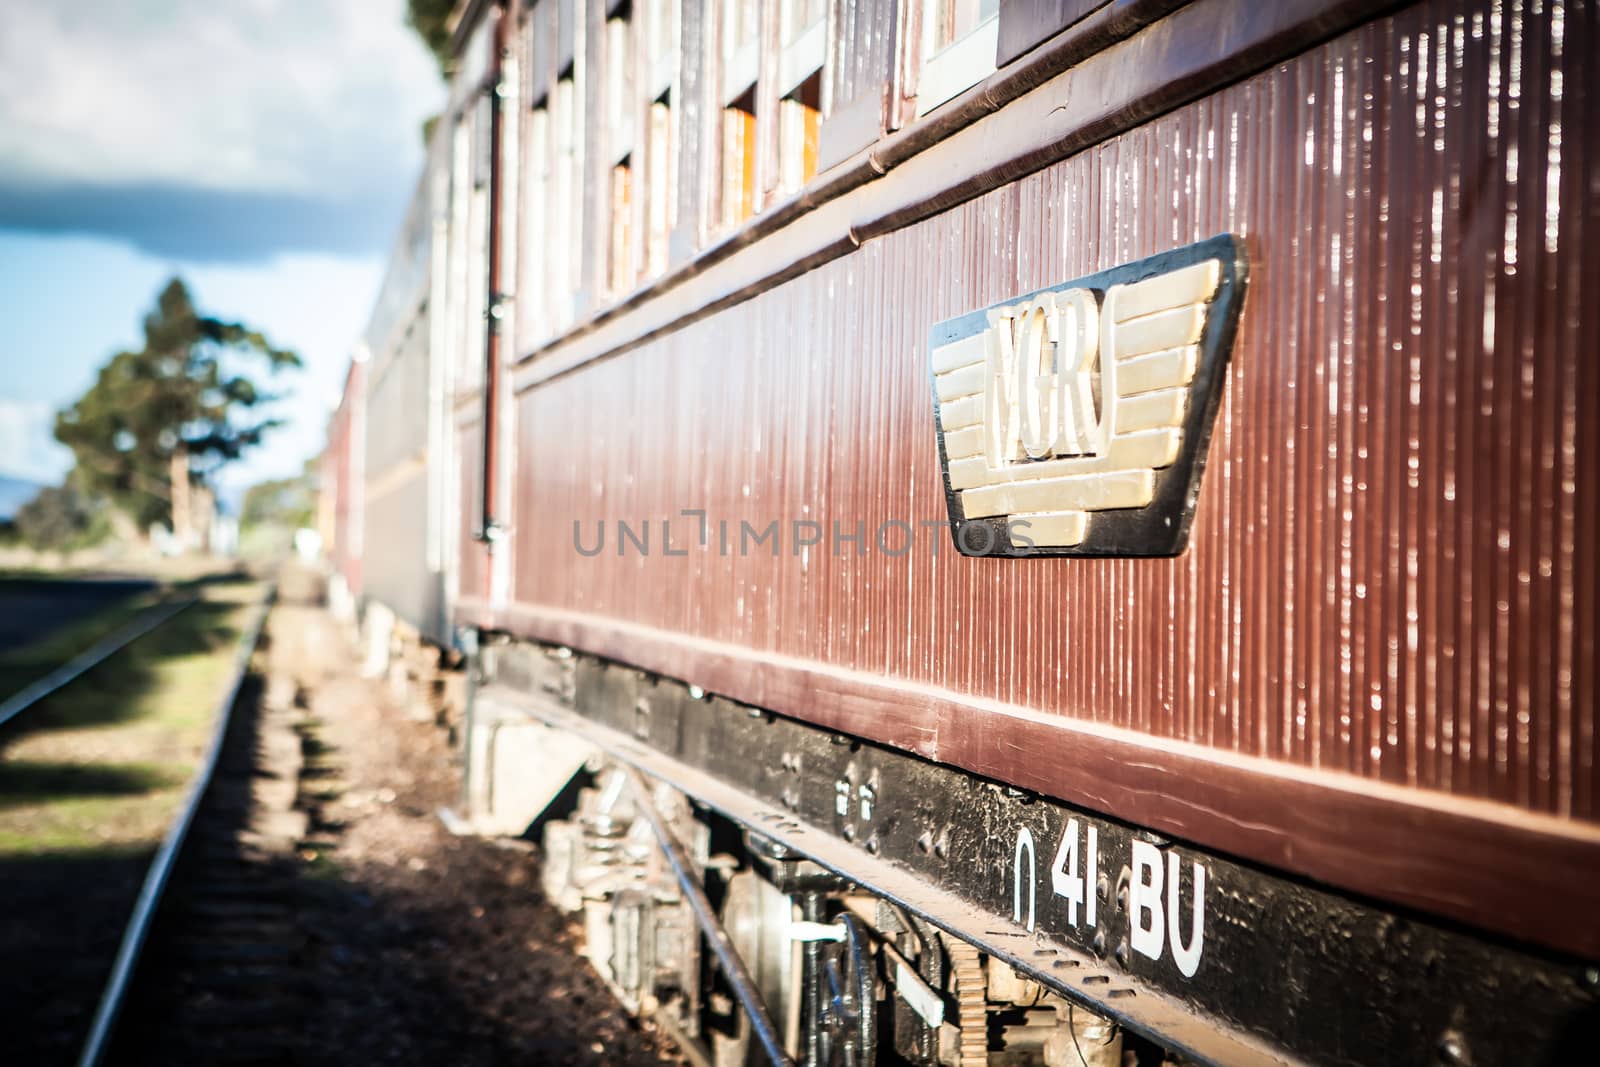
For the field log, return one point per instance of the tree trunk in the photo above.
(182, 520)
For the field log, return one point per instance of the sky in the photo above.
(264, 150)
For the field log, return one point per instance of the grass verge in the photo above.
(103, 763)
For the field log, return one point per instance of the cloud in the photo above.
(224, 131)
(28, 448)
(207, 225)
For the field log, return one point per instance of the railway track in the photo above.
(188, 830)
(299, 907)
(146, 622)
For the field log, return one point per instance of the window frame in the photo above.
(957, 66)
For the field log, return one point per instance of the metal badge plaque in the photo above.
(1073, 421)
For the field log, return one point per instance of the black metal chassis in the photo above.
(1289, 972)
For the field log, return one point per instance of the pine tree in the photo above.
(431, 20)
(171, 413)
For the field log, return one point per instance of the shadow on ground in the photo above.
(64, 902)
(32, 609)
(110, 692)
(63, 919)
(24, 782)
(413, 947)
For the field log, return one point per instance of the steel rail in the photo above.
(155, 880)
(91, 657)
(733, 968)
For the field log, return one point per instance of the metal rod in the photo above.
(155, 879)
(495, 311)
(744, 986)
(89, 658)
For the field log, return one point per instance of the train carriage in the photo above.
(340, 482)
(405, 490)
(1070, 521)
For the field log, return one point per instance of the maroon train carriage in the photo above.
(1072, 524)
(341, 478)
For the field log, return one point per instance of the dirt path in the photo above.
(424, 947)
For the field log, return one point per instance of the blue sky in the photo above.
(262, 149)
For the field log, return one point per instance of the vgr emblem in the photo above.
(1074, 421)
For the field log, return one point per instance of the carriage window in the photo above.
(741, 22)
(566, 212)
(620, 100)
(661, 45)
(619, 257)
(803, 25)
(803, 41)
(657, 175)
(739, 160)
(662, 195)
(535, 201)
(799, 16)
(959, 39)
(799, 120)
(621, 107)
(948, 21)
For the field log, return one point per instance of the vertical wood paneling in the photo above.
(1392, 572)
(863, 52)
(695, 125)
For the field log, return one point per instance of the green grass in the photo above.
(32, 573)
(69, 824)
(102, 765)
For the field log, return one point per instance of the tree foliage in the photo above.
(431, 18)
(60, 518)
(187, 390)
(289, 503)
